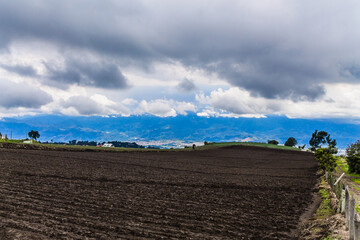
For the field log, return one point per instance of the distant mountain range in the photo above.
(176, 131)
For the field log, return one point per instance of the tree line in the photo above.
(324, 148)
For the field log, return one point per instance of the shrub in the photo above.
(274, 142)
(325, 158)
(353, 157)
(354, 164)
(302, 147)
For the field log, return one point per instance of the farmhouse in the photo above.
(107, 145)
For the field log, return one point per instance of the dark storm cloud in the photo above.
(352, 72)
(22, 95)
(102, 26)
(285, 49)
(27, 71)
(271, 79)
(83, 73)
(186, 85)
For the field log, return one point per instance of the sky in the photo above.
(214, 58)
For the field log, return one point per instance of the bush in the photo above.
(354, 164)
(274, 142)
(325, 158)
(353, 157)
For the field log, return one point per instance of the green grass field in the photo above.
(188, 148)
(11, 141)
(343, 165)
(255, 144)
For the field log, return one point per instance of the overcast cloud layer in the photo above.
(215, 58)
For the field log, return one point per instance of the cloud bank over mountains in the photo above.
(214, 58)
(22, 95)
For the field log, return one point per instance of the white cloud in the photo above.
(160, 108)
(165, 108)
(94, 105)
(102, 100)
(129, 101)
(212, 112)
(184, 107)
(340, 101)
(237, 101)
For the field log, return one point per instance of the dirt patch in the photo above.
(3, 233)
(227, 193)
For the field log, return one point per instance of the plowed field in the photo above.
(227, 193)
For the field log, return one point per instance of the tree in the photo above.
(353, 157)
(319, 138)
(291, 142)
(274, 142)
(34, 134)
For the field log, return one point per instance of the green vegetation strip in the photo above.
(11, 141)
(319, 228)
(332, 238)
(324, 209)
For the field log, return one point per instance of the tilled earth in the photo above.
(227, 193)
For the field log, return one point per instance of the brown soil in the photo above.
(227, 193)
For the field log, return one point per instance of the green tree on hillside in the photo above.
(291, 142)
(274, 142)
(319, 138)
(324, 155)
(34, 134)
